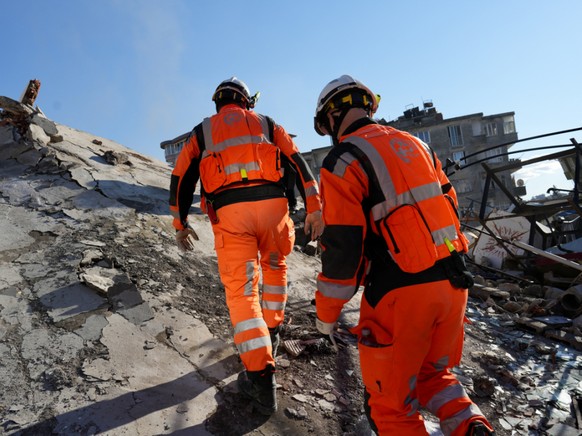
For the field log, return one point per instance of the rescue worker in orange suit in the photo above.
(236, 154)
(391, 225)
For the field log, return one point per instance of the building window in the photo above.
(456, 136)
(508, 125)
(493, 155)
(424, 136)
(459, 156)
(477, 128)
(491, 129)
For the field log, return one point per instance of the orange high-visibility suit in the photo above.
(391, 225)
(239, 166)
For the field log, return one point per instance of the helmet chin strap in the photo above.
(337, 122)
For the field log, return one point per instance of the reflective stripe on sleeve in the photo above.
(311, 191)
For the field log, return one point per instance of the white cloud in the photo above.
(541, 176)
(549, 168)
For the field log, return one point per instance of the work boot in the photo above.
(477, 428)
(275, 339)
(261, 388)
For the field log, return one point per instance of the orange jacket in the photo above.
(388, 180)
(241, 149)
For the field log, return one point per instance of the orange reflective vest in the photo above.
(418, 221)
(384, 182)
(236, 149)
(241, 154)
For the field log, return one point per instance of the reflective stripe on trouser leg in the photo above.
(439, 390)
(405, 373)
(276, 241)
(237, 253)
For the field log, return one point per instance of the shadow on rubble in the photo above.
(235, 416)
(141, 198)
(109, 415)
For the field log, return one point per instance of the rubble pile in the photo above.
(106, 328)
(531, 354)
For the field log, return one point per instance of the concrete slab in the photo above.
(66, 301)
(92, 327)
(9, 275)
(163, 391)
(41, 345)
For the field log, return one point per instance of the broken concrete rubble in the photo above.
(104, 325)
(106, 328)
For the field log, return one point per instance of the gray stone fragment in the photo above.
(7, 135)
(562, 430)
(42, 349)
(91, 256)
(93, 327)
(69, 301)
(48, 126)
(38, 135)
(30, 157)
(137, 314)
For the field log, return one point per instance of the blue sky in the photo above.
(140, 72)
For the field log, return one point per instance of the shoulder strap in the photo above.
(199, 137)
(374, 245)
(375, 191)
(271, 131)
(199, 132)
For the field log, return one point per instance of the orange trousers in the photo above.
(408, 342)
(247, 235)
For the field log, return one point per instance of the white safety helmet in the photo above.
(236, 90)
(343, 92)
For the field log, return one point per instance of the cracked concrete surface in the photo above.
(85, 350)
